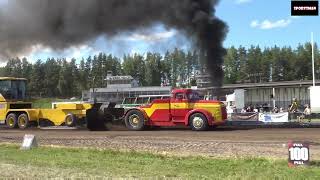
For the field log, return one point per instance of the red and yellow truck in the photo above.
(184, 107)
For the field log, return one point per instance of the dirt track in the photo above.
(222, 142)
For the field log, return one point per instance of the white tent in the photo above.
(231, 97)
(315, 99)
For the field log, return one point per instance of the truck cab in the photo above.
(184, 107)
(12, 89)
(12, 96)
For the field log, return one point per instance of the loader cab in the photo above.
(12, 88)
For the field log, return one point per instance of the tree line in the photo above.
(61, 78)
(254, 65)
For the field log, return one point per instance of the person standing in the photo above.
(293, 109)
(294, 106)
(307, 113)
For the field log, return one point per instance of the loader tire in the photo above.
(23, 121)
(95, 120)
(134, 120)
(70, 120)
(12, 121)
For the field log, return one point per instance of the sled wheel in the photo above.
(70, 120)
(12, 121)
(23, 121)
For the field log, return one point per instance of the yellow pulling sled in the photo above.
(15, 112)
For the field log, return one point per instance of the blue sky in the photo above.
(251, 22)
(265, 23)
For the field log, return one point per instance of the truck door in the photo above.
(159, 110)
(179, 107)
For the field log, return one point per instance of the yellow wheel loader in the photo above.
(16, 112)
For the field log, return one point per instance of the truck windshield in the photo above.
(193, 96)
(13, 89)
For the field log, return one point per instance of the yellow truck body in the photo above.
(14, 112)
(57, 116)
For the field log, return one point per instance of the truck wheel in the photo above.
(23, 121)
(12, 121)
(134, 120)
(70, 120)
(198, 122)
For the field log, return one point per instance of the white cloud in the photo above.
(153, 37)
(267, 24)
(39, 47)
(254, 23)
(295, 17)
(41, 52)
(78, 52)
(3, 63)
(243, 1)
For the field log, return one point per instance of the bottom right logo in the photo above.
(299, 154)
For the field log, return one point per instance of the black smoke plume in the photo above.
(60, 24)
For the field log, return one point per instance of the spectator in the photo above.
(307, 113)
(249, 109)
(261, 109)
(243, 110)
(281, 110)
(275, 110)
(265, 107)
(294, 106)
(234, 109)
(291, 115)
(230, 108)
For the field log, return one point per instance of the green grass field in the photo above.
(47, 162)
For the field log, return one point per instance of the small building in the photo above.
(120, 87)
(121, 81)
